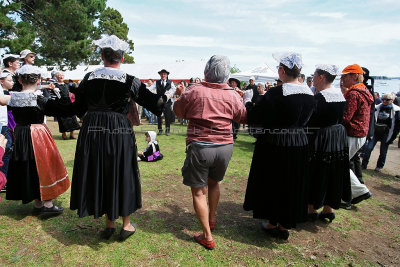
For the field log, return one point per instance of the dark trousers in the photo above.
(382, 154)
(7, 153)
(168, 117)
(235, 129)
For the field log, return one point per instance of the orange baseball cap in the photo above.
(353, 69)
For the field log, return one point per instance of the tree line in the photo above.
(60, 32)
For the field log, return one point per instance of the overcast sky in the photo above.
(248, 32)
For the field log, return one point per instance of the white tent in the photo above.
(181, 70)
(262, 73)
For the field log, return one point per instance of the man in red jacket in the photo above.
(356, 121)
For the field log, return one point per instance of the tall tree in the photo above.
(111, 22)
(61, 32)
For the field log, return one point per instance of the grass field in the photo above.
(368, 235)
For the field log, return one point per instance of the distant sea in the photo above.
(382, 86)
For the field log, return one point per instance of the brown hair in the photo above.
(29, 78)
(293, 72)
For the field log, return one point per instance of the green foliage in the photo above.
(61, 32)
(235, 69)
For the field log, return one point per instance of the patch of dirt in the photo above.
(369, 232)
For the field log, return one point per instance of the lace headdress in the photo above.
(112, 42)
(289, 59)
(331, 69)
(29, 69)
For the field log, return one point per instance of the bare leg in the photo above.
(126, 224)
(327, 209)
(109, 223)
(64, 135)
(201, 208)
(311, 209)
(213, 198)
(38, 203)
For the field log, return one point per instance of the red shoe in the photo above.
(205, 243)
(212, 225)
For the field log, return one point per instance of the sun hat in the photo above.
(26, 52)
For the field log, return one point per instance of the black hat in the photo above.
(236, 80)
(278, 80)
(163, 70)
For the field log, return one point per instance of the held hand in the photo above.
(3, 141)
(52, 86)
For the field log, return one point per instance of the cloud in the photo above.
(333, 15)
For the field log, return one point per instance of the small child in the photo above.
(152, 151)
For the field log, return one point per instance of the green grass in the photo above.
(167, 222)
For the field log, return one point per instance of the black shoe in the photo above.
(52, 210)
(346, 206)
(36, 211)
(283, 234)
(124, 234)
(167, 133)
(324, 216)
(107, 233)
(361, 198)
(273, 232)
(160, 132)
(312, 216)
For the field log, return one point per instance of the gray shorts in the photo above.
(202, 163)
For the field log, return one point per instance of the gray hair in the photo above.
(388, 96)
(217, 70)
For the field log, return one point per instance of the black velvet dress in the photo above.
(329, 166)
(106, 177)
(277, 184)
(66, 124)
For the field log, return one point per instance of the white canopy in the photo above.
(182, 70)
(262, 73)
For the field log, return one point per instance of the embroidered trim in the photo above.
(108, 74)
(295, 89)
(56, 182)
(333, 94)
(24, 99)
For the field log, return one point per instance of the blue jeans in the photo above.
(369, 146)
(7, 153)
(149, 116)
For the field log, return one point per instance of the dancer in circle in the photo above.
(329, 168)
(276, 189)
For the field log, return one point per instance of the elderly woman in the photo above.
(387, 127)
(210, 107)
(276, 189)
(106, 176)
(329, 168)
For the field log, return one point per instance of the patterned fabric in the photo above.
(295, 89)
(108, 74)
(357, 115)
(333, 94)
(24, 99)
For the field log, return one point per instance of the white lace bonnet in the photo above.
(112, 42)
(289, 59)
(331, 69)
(29, 69)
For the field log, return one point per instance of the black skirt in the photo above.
(329, 167)
(22, 176)
(67, 124)
(106, 176)
(277, 185)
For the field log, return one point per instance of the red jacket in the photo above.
(356, 116)
(210, 109)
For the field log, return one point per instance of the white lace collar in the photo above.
(333, 94)
(295, 89)
(107, 73)
(24, 99)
